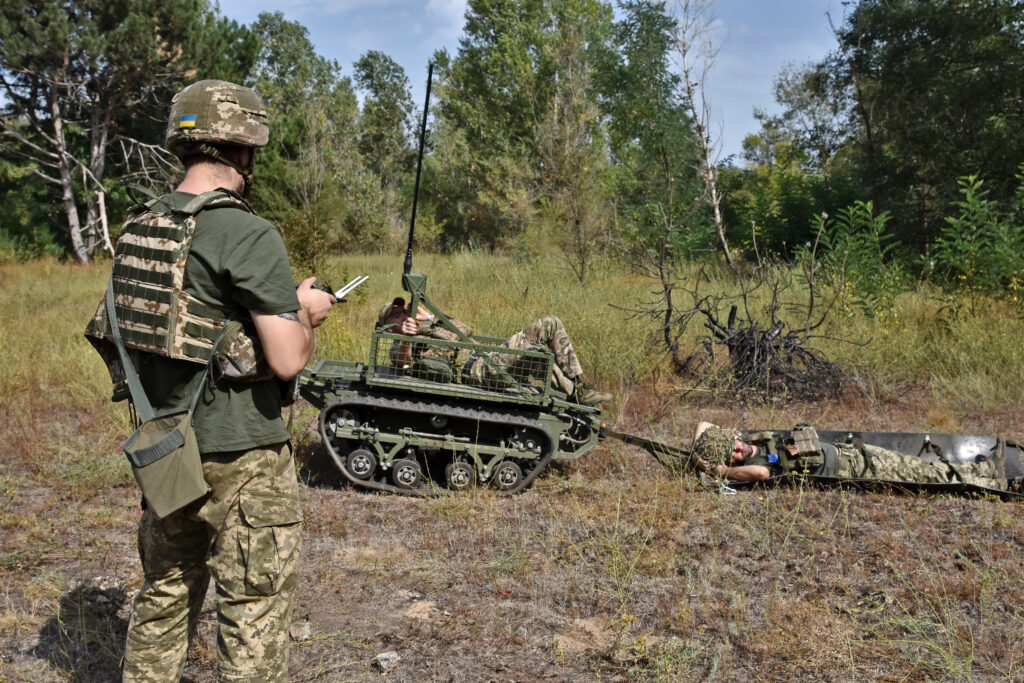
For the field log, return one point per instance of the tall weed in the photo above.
(860, 254)
(50, 377)
(979, 250)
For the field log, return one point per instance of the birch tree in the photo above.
(696, 51)
(77, 78)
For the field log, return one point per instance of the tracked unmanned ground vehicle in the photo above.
(423, 426)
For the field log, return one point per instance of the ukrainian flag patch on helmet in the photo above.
(187, 121)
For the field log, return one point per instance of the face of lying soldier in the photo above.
(741, 450)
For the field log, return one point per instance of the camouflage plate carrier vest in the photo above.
(155, 314)
(811, 456)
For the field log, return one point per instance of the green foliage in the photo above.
(571, 142)
(27, 228)
(947, 72)
(553, 126)
(860, 252)
(312, 180)
(979, 250)
(652, 139)
(86, 86)
(518, 123)
(915, 94)
(492, 95)
(790, 177)
(387, 117)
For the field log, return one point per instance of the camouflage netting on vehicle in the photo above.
(715, 444)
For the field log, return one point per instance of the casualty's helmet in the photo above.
(715, 444)
(388, 309)
(215, 112)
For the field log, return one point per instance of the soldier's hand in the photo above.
(315, 302)
(409, 326)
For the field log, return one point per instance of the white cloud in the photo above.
(450, 17)
(451, 10)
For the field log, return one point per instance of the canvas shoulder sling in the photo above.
(163, 450)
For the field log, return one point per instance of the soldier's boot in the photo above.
(587, 395)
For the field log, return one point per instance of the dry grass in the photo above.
(608, 569)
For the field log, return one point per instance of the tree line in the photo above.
(575, 126)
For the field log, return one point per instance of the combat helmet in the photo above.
(715, 444)
(217, 112)
(210, 113)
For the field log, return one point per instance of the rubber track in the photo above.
(361, 401)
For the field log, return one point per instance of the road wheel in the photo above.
(459, 475)
(361, 463)
(406, 474)
(507, 476)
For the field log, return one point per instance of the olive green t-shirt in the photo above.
(828, 468)
(238, 262)
(761, 458)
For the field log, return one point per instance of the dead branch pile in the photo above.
(763, 362)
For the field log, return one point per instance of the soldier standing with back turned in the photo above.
(246, 532)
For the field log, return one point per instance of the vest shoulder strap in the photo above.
(215, 199)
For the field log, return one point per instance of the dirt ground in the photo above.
(610, 568)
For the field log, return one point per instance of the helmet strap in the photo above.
(248, 172)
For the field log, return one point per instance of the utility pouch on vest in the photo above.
(806, 441)
(766, 439)
(238, 356)
(808, 464)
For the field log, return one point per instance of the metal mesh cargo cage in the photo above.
(480, 365)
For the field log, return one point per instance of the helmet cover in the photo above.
(216, 112)
(715, 444)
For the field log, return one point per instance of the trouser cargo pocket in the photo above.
(271, 543)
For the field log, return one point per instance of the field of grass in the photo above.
(608, 569)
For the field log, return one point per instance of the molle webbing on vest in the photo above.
(154, 313)
(824, 463)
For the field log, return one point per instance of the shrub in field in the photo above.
(979, 250)
(860, 255)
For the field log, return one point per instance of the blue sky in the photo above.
(756, 39)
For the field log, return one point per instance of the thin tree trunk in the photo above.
(696, 56)
(67, 188)
(96, 219)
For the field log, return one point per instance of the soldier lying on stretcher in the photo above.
(548, 333)
(723, 453)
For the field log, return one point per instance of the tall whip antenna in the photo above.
(419, 167)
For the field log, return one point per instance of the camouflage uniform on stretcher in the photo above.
(849, 462)
(890, 465)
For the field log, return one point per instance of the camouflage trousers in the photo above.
(246, 534)
(547, 333)
(894, 466)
